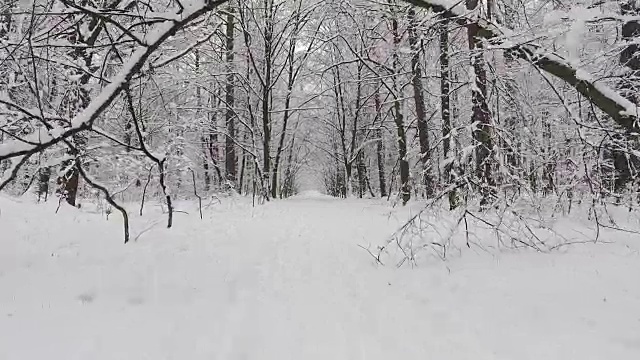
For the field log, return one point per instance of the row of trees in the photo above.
(212, 99)
(470, 115)
(417, 98)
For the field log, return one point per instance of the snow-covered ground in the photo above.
(287, 280)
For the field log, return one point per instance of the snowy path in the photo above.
(287, 281)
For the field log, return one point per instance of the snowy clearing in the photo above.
(287, 280)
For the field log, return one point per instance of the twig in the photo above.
(377, 258)
(195, 192)
(108, 197)
(144, 190)
(145, 230)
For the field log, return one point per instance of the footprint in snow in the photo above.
(135, 300)
(86, 298)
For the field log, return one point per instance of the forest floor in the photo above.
(288, 280)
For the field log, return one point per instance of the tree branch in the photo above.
(621, 110)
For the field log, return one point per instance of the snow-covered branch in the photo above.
(607, 99)
(39, 141)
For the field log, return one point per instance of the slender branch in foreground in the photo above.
(161, 162)
(195, 191)
(108, 197)
(144, 190)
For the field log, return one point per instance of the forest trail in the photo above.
(287, 280)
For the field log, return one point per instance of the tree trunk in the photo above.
(483, 131)
(549, 161)
(362, 174)
(205, 166)
(339, 188)
(445, 112)
(230, 146)
(70, 180)
(266, 97)
(354, 152)
(285, 119)
(288, 182)
(630, 30)
(5, 18)
(421, 113)
(203, 141)
(76, 101)
(405, 188)
(44, 175)
(212, 143)
(86, 34)
(341, 118)
(625, 147)
(380, 146)
(243, 166)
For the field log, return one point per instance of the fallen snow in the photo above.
(287, 280)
